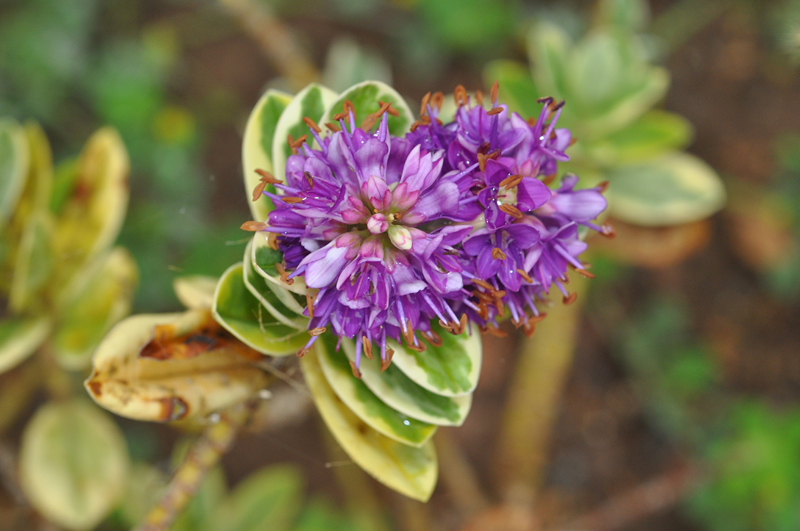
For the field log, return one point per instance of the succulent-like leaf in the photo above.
(195, 292)
(261, 290)
(257, 145)
(236, 309)
(310, 102)
(365, 97)
(449, 370)
(73, 464)
(363, 402)
(19, 338)
(408, 470)
(651, 135)
(14, 158)
(92, 313)
(672, 189)
(89, 220)
(399, 392)
(264, 259)
(269, 499)
(172, 366)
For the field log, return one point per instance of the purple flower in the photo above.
(453, 222)
(367, 220)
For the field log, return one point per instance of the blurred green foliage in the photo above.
(85, 67)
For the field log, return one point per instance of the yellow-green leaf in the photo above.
(90, 218)
(363, 402)
(451, 369)
(73, 464)
(19, 338)
(13, 167)
(264, 259)
(171, 367)
(310, 102)
(266, 295)
(236, 309)
(34, 264)
(89, 314)
(195, 292)
(399, 392)
(673, 189)
(408, 470)
(365, 97)
(257, 145)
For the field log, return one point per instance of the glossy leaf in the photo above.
(310, 102)
(263, 259)
(651, 135)
(261, 290)
(399, 392)
(90, 218)
(91, 313)
(73, 464)
(365, 97)
(363, 402)
(517, 88)
(672, 189)
(269, 499)
(450, 370)
(19, 338)
(236, 309)
(13, 167)
(195, 292)
(408, 470)
(257, 145)
(170, 367)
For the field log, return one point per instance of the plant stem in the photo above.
(275, 40)
(682, 20)
(458, 476)
(538, 381)
(214, 442)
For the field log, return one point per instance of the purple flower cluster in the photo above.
(453, 222)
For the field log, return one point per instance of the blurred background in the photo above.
(674, 403)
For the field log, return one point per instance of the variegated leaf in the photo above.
(260, 289)
(408, 470)
(451, 369)
(672, 189)
(73, 464)
(310, 102)
(91, 213)
(257, 145)
(236, 309)
(34, 264)
(169, 367)
(92, 312)
(264, 260)
(363, 402)
(19, 338)
(397, 391)
(365, 97)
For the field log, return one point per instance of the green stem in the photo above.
(206, 452)
(458, 475)
(538, 380)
